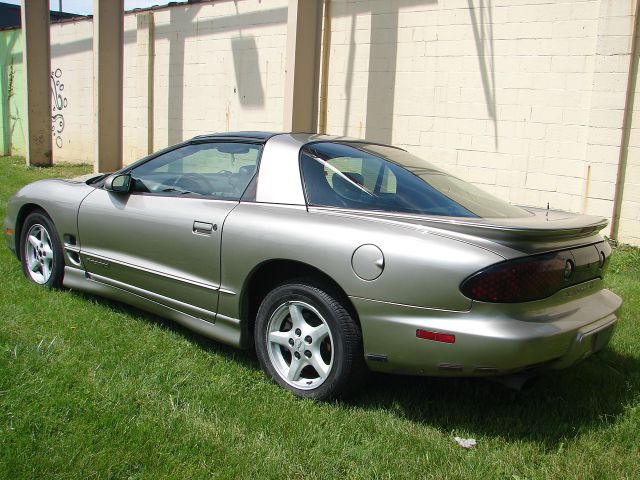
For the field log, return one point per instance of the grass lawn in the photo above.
(94, 389)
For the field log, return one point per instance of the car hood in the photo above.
(85, 178)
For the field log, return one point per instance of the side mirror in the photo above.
(119, 183)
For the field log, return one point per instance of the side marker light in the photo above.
(435, 336)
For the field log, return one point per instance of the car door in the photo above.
(162, 240)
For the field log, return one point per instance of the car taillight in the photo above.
(520, 280)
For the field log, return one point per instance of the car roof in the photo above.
(246, 135)
(264, 136)
(299, 137)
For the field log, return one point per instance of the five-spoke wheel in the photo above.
(300, 345)
(308, 342)
(41, 252)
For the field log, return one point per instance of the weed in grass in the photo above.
(90, 388)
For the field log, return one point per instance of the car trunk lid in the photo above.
(544, 230)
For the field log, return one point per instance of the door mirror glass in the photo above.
(118, 183)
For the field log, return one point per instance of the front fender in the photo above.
(60, 200)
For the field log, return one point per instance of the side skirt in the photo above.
(225, 329)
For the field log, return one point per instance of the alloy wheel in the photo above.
(300, 345)
(39, 254)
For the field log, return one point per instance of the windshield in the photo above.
(376, 177)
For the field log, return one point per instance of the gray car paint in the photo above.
(162, 253)
(142, 249)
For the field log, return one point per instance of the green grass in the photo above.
(94, 389)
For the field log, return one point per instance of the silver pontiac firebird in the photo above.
(329, 256)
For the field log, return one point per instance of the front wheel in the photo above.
(41, 252)
(308, 342)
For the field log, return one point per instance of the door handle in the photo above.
(203, 228)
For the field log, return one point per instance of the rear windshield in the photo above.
(374, 177)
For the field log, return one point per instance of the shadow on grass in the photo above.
(244, 357)
(557, 407)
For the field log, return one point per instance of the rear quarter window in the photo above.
(373, 177)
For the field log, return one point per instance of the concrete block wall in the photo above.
(12, 93)
(629, 230)
(525, 98)
(214, 67)
(217, 67)
(609, 94)
(522, 97)
(72, 91)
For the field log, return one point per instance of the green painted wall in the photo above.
(12, 88)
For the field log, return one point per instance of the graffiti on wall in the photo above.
(58, 104)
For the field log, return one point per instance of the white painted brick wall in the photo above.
(523, 97)
(217, 67)
(629, 230)
(72, 54)
(609, 89)
(130, 149)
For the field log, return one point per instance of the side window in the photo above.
(220, 170)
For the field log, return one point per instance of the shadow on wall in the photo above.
(383, 60)
(246, 64)
(383, 56)
(8, 85)
(483, 35)
(244, 50)
(183, 25)
(629, 161)
(181, 18)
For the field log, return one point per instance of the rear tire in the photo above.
(41, 251)
(308, 342)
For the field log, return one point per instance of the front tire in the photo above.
(308, 342)
(41, 251)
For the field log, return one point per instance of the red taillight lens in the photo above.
(521, 280)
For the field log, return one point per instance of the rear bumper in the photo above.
(490, 339)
